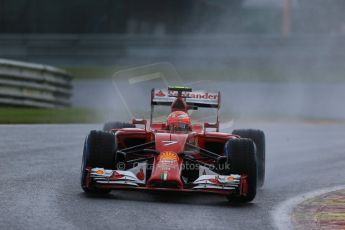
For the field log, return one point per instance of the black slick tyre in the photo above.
(258, 137)
(242, 160)
(99, 151)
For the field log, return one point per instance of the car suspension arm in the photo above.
(204, 152)
(138, 147)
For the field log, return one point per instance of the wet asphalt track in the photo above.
(39, 181)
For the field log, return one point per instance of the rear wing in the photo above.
(194, 99)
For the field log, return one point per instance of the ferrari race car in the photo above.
(176, 155)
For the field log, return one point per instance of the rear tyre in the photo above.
(99, 151)
(242, 160)
(116, 125)
(258, 137)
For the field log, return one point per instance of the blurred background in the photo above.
(270, 58)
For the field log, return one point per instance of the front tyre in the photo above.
(258, 137)
(99, 151)
(242, 160)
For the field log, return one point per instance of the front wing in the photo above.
(135, 179)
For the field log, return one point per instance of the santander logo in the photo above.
(196, 95)
(191, 96)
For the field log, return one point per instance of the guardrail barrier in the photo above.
(33, 85)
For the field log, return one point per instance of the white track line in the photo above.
(281, 214)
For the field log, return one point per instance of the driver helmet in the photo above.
(179, 121)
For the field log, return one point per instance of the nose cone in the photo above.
(170, 142)
(166, 171)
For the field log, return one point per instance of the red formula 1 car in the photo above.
(175, 155)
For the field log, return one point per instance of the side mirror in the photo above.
(139, 122)
(211, 125)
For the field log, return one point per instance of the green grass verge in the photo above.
(236, 74)
(9, 115)
(189, 74)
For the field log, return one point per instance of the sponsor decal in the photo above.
(215, 181)
(196, 96)
(141, 175)
(167, 143)
(230, 178)
(160, 94)
(100, 172)
(167, 166)
(168, 156)
(167, 160)
(116, 175)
